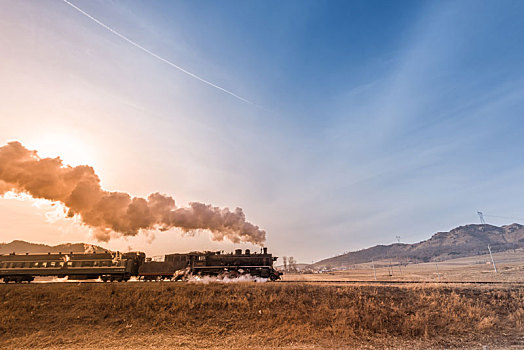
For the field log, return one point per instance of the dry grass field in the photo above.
(259, 315)
(510, 266)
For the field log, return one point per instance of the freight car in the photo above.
(109, 266)
(181, 266)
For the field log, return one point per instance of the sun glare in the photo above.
(72, 150)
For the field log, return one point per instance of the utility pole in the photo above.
(398, 240)
(493, 261)
(438, 273)
(374, 271)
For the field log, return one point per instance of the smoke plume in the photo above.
(78, 188)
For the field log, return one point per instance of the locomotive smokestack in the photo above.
(78, 188)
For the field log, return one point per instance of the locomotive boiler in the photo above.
(181, 266)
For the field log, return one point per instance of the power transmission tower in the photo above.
(481, 216)
(493, 261)
(398, 239)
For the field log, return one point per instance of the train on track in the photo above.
(116, 266)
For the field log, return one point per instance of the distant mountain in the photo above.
(22, 247)
(462, 241)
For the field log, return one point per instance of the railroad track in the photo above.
(393, 282)
(407, 282)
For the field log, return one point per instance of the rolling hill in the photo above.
(462, 241)
(21, 247)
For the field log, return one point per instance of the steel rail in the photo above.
(404, 282)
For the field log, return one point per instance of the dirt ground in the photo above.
(296, 315)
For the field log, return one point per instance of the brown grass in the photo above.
(510, 265)
(183, 315)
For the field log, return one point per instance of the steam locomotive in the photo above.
(115, 266)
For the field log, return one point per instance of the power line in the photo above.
(503, 217)
(483, 221)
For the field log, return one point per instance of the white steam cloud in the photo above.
(78, 189)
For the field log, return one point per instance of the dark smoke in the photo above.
(78, 188)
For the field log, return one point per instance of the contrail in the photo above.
(155, 55)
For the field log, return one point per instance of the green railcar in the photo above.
(109, 266)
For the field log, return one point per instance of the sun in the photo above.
(73, 150)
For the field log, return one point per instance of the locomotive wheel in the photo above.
(273, 277)
(233, 274)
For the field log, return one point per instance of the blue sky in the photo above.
(373, 119)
